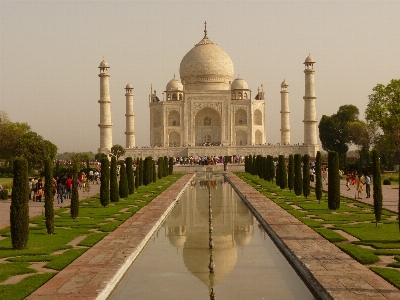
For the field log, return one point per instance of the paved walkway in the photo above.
(339, 274)
(96, 272)
(37, 208)
(390, 195)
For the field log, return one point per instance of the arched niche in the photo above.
(240, 117)
(258, 137)
(241, 138)
(208, 126)
(258, 117)
(174, 139)
(174, 118)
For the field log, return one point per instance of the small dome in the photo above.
(309, 60)
(239, 84)
(129, 86)
(104, 64)
(284, 83)
(174, 85)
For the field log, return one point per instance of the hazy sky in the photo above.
(51, 50)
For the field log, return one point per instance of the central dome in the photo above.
(207, 64)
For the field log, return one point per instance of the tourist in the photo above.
(359, 186)
(39, 190)
(368, 185)
(68, 187)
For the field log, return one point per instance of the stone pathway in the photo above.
(340, 275)
(96, 272)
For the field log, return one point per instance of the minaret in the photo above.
(285, 124)
(310, 122)
(105, 110)
(130, 116)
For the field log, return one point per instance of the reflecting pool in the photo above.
(175, 262)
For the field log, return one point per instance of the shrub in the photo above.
(306, 175)
(387, 181)
(105, 182)
(4, 194)
(298, 179)
(114, 193)
(130, 176)
(377, 187)
(75, 194)
(333, 181)
(318, 179)
(123, 182)
(19, 209)
(48, 195)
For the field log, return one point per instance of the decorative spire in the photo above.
(205, 29)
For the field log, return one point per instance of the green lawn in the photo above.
(42, 247)
(353, 217)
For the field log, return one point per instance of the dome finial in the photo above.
(205, 29)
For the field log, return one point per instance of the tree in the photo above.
(49, 196)
(114, 193)
(398, 207)
(291, 172)
(160, 163)
(117, 151)
(99, 156)
(105, 182)
(154, 173)
(166, 171)
(171, 166)
(123, 182)
(272, 168)
(333, 130)
(136, 173)
(141, 173)
(377, 185)
(129, 174)
(75, 194)
(298, 179)
(35, 149)
(318, 179)
(306, 175)
(282, 172)
(333, 181)
(19, 209)
(383, 110)
(249, 163)
(278, 175)
(363, 134)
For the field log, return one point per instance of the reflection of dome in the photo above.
(206, 62)
(243, 235)
(239, 84)
(174, 85)
(177, 240)
(196, 259)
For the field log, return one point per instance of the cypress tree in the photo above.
(136, 174)
(141, 174)
(154, 173)
(114, 193)
(272, 168)
(291, 172)
(278, 175)
(171, 166)
(166, 171)
(145, 171)
(399, 200)
(159, 169)
(333, 180)
(283, 181)
(254, 167)
(19, 209)
(306, 175)
(250, 163)
(268, 167)
(105, 182)
(123, 182)
(264, 168)
(75, 195)
(259, 165)
(129, 174)
(298, 179)
(377, 185)
(318, 177)
(48, 195)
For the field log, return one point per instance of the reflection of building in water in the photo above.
(188, 225)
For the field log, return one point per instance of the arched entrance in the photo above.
(208, 127)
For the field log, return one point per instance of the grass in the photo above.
(42, 247)
(352, 217)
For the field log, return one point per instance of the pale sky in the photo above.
(51, 50)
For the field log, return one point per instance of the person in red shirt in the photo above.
(68, 186)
